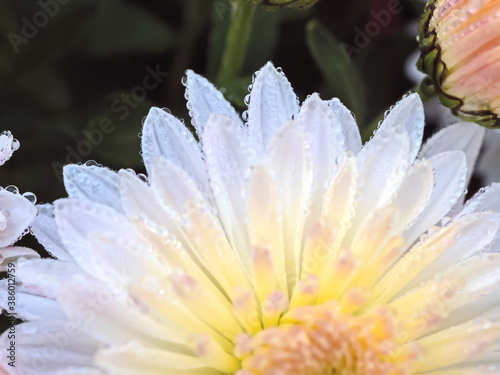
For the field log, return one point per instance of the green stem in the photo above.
(237, 40)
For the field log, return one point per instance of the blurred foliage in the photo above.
(74, 73)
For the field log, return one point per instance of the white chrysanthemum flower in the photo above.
(279, 246)
(16, 211)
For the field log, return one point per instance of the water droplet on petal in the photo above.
(12, 189)
(91, 163)
(445, 221)
(143, 177)
(30, 196)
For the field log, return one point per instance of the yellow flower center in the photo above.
(321, 340)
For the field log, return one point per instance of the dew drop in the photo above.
(339, 160)
(91, 163)
(30, 196)
(433, 230)
(12, 189)
(143, 177)
(424, 237)
(446, 221)
(360, 182)
(357, 196)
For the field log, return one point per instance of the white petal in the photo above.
(291, 160)
(402, 211)
(324, 131)
(77, 220)
(29, 306)
(71, 221)
(338, 203)
(350, 129)
(449, 175)
(141, 207)
(138, 199)
(173, 188)
(321, 124)
(228, 158)
(382, 165)
(203, 99)
(487, 199)
(52, 348)
(473, 341)
(45, 230)
(272, 104)
(93, 183)
(463, 136)
(135, 359)
(265, 224)
(106, 243)
(197, 223)
(435, 252)
(12, 254)
(109, 316)
(479, 230)
(165, 135)
(408, 113)
(16, 214)
(44, 276)
(413, 196)
(480, 293)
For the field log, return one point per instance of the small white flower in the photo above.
(8, 144)
(16, 212)
(279, 246)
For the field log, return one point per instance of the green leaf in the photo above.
(339, 72)
(125, 28)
